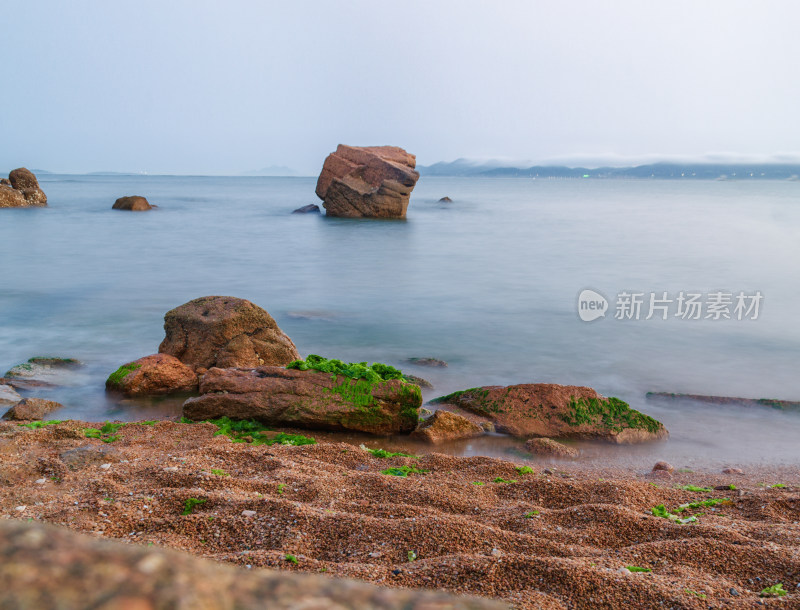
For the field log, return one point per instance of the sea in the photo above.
(489, 282)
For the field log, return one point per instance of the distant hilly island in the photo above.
(669, 171)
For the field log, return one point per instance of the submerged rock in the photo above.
(432, 362)
(153, 375)
(133, 203)
(311, 208)
(32, 409)
(551, 410)
(665, 466)
(549, 447)
(44, 566)
(422, 383)
(225, 332)
(772, 403)
(8, 395)
(42, 372)
(367, 182)
(445, 200)
(307, 399)
(444, 426)
(21, 190)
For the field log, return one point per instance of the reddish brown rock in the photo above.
(225, 332)
(551, 410)
(32, 409)
(21, 190)
(665, 466)
(134, 203)
(730, 470)
(551, 448)
(368, 182)
(444, 426)
(44, 566)
(152, 376)
(307, 399)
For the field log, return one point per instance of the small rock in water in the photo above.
(427, 362)
(445, 200)
(732, 471)
(311, 208)
(663, 466)
(248, 513)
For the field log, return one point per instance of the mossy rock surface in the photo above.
(551, 410)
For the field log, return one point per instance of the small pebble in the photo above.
(733, 592)
(171, 469)
(397, 572)
(105, 466)
(248, 513)
(376, 554)
(41, 481)
(732, 471)
(663, 466)
(19, 509)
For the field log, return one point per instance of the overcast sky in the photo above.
(225, 87)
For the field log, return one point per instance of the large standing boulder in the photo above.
(444, 426)
(153, 375)
(307, 399)
(551, 410)
(22, 190)
(133, 203)
(225, 332)
(32, 409)
(368, 181)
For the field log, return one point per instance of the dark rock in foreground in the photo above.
(133, 203)
(367, 182)
(43, 566)
(311, 208)
(225, 332)
(152, 376)
(21, 190)
(551, 410)
(32, 409)
(306, 399)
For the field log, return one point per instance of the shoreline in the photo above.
(475, 525)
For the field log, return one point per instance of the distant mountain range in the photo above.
(676, 171)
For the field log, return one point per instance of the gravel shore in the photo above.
(564, 537)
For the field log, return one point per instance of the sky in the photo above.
(197, 87)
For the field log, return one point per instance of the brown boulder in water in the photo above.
(549, 447)
(225, 332)
(21, 190)
(367, 182)
(133, 203)
(551, 410)
(306, 399)
(152, 376)
(32, 409)
(444, 426)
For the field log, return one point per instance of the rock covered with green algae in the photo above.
(557, 411)
(316, 393)
(153, 375)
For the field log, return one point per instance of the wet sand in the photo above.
(560, 539)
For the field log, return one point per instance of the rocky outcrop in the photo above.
(225, 332)
(133, 203)
(367, 182)
(21, 190)
(444, 426)
(549, 447)
(32, 409)
(306, 399)
(551, 410)
(152, 376)
(311, 208)
(44, 566)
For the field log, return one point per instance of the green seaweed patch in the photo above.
(374, 373)
(531, 514)
(525, 470)
(254, 432)
(382, 453)
(191, 504)
(775, 590)
(661, 511)
(107, 433)
(116, 378)
(502, 480)
(613, 413)
(53, 361)
(477, 399)
(404, 471)
(35, 425)
(219, 472)
(693, 488)
(637, 569)
(291, 558)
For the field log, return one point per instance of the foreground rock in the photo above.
(22, 190)
(368, 182)
(134, 203)
(32, 409)
(225, 332)
(43, 566)
(306, 399)
(42, 372)
(551, 410)
(550, 448)
(444, 426)
(152, 376)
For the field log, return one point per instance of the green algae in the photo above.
(116, 378)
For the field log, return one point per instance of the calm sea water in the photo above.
(488, 283)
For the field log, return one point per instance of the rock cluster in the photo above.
(21, 190)
(367, 182)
